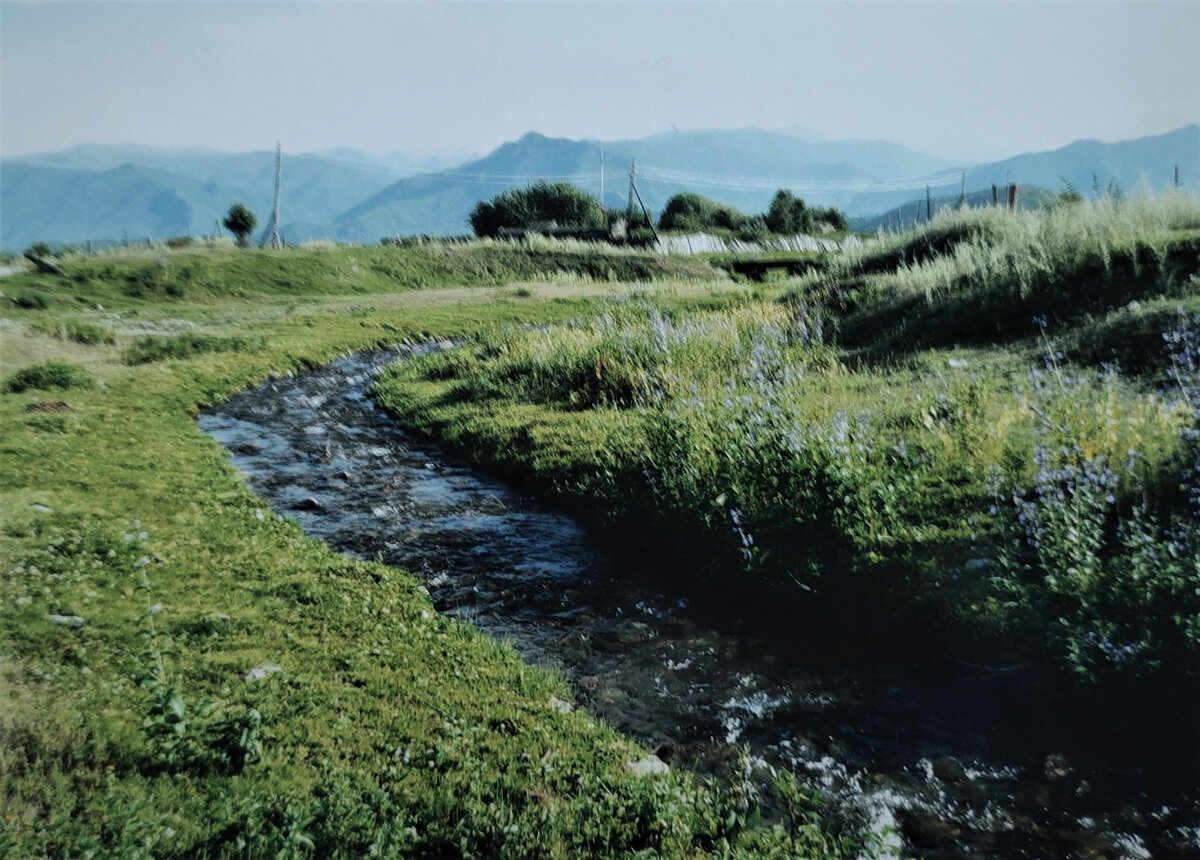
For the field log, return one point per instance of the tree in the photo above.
(788, 214)
(240, 222)
(542, 202)
(688, 211)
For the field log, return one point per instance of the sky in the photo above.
(975, 79)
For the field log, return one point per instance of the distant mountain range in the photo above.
(105, 193)
(109, 193)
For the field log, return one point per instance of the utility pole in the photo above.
(273, 227)
(632, 174)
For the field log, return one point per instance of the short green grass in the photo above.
(186, 674)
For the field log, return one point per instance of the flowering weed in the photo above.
(1109, 570)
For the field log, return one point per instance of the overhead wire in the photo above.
(650, 173)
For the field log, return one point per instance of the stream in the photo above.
(942, 764)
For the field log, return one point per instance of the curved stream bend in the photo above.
(925, 759)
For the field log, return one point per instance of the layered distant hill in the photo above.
(103, 193)
(106, 193)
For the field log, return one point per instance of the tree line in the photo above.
(569, 207)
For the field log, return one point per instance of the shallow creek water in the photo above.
(945, 766)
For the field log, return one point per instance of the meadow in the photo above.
(185, 673)
(980, 439)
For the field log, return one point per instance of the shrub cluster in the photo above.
(50, 375)
(541, 203)
(787, 215)
(33, 300)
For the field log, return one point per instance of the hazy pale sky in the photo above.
(968, 79)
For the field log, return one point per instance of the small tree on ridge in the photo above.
(241, 223)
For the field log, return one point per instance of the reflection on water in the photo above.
(948, 767)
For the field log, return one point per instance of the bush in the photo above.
(560, 202)
(49, 375)
(693, 212)
(32, 301)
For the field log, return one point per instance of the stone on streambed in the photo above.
(621, 638)
(949, 770)
(926, 829)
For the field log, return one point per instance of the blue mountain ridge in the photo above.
(97, 192)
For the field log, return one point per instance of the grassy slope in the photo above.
(937, 354)
(388, 729)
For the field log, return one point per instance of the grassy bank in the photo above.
(206, 273)
(186, 674)
(924, 432)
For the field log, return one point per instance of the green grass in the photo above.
(871, 446)
(205, 274)
(144, 584)
(983, 276)
(147, 349)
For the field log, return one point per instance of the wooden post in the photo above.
(632, 174)
(1176, 177)
(995, 195)
(928, 205)
(1012, 197)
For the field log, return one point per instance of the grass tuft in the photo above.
(48, 376)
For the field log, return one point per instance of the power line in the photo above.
(707, 180)
(749, 183)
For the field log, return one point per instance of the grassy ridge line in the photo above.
(208, 273)
(983, 276)
(387, 729)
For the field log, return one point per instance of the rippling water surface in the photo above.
(945, 767)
